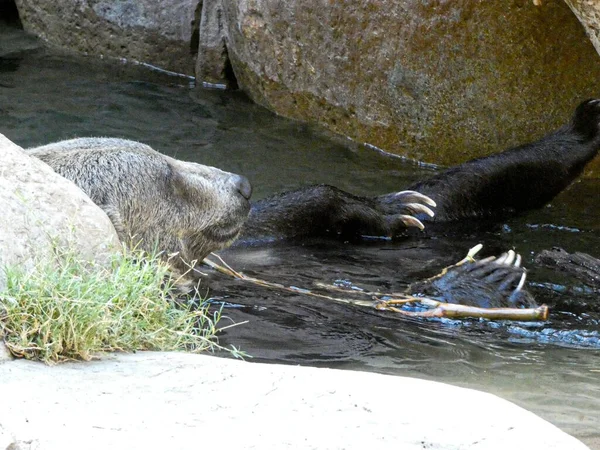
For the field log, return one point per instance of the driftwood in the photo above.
(389, 302)
(452, 311)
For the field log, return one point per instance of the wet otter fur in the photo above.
(190, 209)
(492, 188)
(155, 202)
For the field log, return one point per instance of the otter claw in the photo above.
(510, 259)
(521, 282)
(414, 197)
(410, 221)
(474, 250)
(418, 208)
(488, 282)
(518, 261)
(506, 258)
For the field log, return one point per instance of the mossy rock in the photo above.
(436, 81)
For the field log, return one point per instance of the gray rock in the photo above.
(213, 61)
(435, 81)
(179, 401)
(6, 439)
(4, 356)
(588, 13)
(42, 211)
(150, 31)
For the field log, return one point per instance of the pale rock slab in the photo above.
(185, 401)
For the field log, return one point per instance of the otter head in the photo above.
(586, 119)
(155, 202)
(212, 206)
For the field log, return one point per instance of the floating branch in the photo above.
(389, 302)
(453, 311)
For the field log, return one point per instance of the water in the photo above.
(552, 369)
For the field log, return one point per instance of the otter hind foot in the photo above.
(492, 282)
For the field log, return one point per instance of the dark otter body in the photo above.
(493, 187)
(520, 179)
(191, 210)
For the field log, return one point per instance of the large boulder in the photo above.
(42, 211)
(437, 81)
(179, 401)
(150, 31)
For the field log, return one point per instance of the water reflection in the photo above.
(47, 96)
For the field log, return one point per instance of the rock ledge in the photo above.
(178, 400)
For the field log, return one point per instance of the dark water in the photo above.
(552, 369)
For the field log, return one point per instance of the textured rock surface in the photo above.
(41, 210)
(150, 31)
(176, 401)
(439, 81)
(212, 65)
(8, 442)
(4, 356)
(588, 13)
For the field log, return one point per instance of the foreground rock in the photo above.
(176, 400)
(436, 81)
(42, 212)
(150, 31)
(5, 355)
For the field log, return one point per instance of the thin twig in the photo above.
(382, 301)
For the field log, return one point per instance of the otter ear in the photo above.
(180, 185)
(586, 120)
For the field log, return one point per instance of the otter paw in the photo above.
(493, 282)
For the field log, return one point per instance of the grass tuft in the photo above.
(67, 309)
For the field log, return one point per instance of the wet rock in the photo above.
(42, 211)
(212, 65)
(578, 265)
(150, 31)
(176, 400)
(437, 81)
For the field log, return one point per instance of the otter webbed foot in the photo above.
(361, 217)
(493, 282)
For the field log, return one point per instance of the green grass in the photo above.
(67, 310)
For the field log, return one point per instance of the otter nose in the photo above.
(243, 186)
